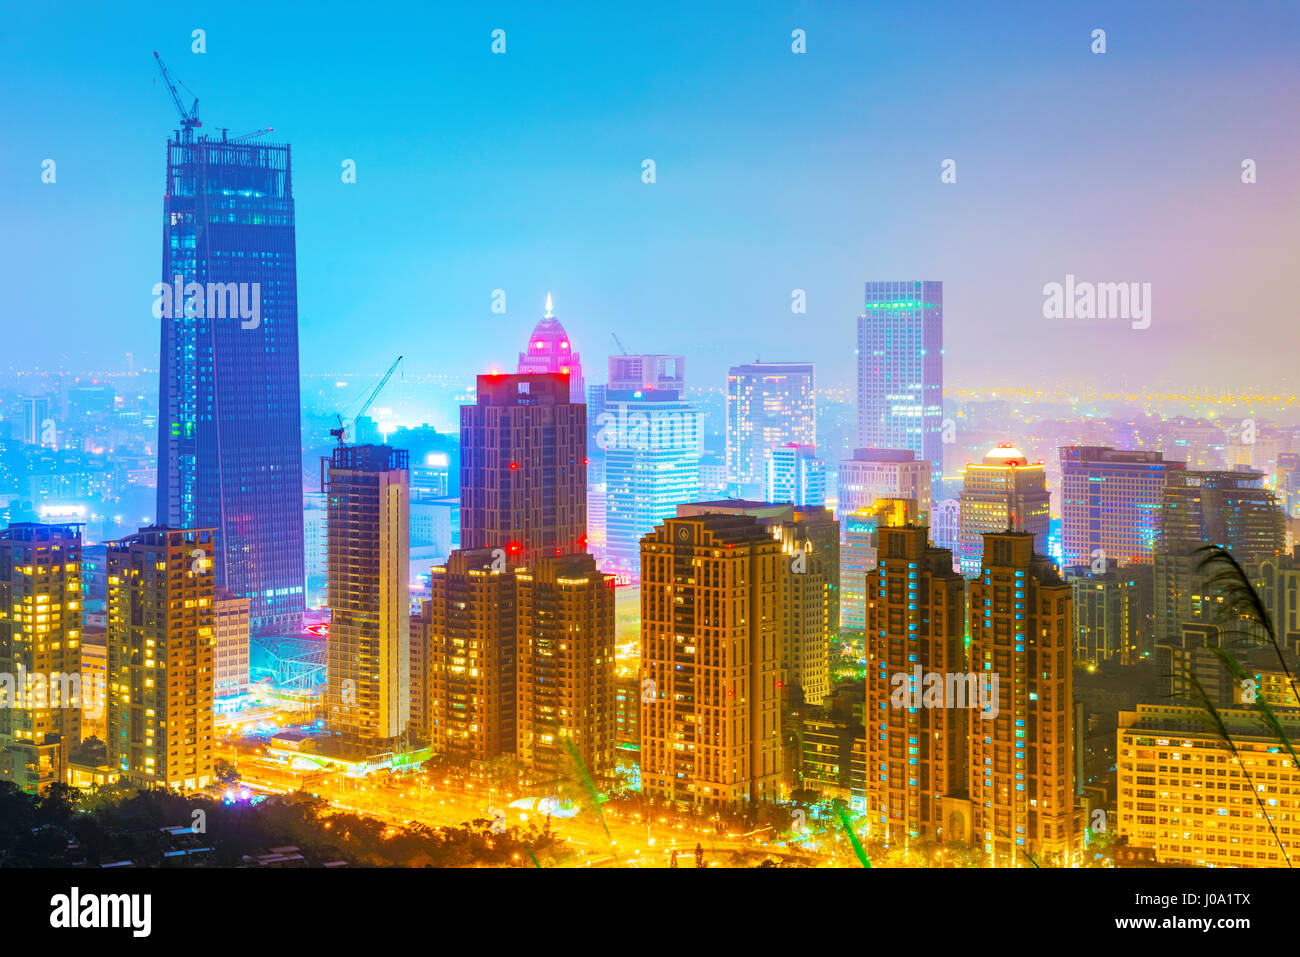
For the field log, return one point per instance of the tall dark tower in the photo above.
(229, 423)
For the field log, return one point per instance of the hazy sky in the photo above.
(775, 171)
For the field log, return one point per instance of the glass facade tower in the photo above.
(229, 424)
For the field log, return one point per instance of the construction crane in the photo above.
(243, 136)
(619, 343)
(341, 432)
(190, 119)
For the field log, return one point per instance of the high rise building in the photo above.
(229, 418)
(795, 474)
(652, 445)
(230, 654)
(368, 695)
(1228, 508)
(38, 427)
(1021, 769)
(1111, 613)
(1110, 503)
(161, 637)
(810, 587)
(41, 684)
(900, 370)
(711, 651)
(769, 404)
(1004, 493)
(873, 474)
(565, 647)
(1205, 807)
(945, 525)
(470, 649)
(550, 352)
(523, 467)
(916, 623)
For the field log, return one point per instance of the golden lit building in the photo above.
(711, 588)
(858, 551)
(94, 682)
(469, 645)
(565, 672)
(1183, 793)
(40, 651)
(916, 616)
(161, 635)
(368, 695)
(1005, 492)
(231, 657)
(1021, 769)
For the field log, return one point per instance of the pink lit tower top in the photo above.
(549, 350)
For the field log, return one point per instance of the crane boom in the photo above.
(341, 432)
(189, 120)
(619, 342)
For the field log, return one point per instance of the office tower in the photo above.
(769, 404)
(1004, 493)
(830, 743)
(1288, 483)
(711, 649)
(40, 652)
(523, 471)
(795, 474)
(315, 528)
(945, 525)
(368, 694)
(597, 497)
(858, 552)
(809, 587)
(874, 474)
(1228, 508)
(900, 370)
(1111, 613)
(1279, 590)
(229, 421)
(652, 448)
(1193, 654)
(470, 675)
(230, 656)
(1205, 812)
(916, 718)
(1021, 760)
(161, 634)
(38, 427)
(1110, 503)
(565, 648)
(549, 352)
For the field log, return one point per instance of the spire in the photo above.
(548, 307)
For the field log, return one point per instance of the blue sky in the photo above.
(775, 171)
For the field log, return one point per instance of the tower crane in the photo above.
(190, 118)
(341, 432)
(619, 343)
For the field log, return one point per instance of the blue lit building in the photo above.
(900, 370)
(229, 429)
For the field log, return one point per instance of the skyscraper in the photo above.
(368, 697)
(565, 647)
(711, 661)
(900, 370)
(550, 352)
(1003, 493)
(523, 467)
(646, 373)
(41, 685)
(858, 551)
(1110, 503)
(795, 474)
(651, 441)
(229, 423)
(769, 404)
(1021, 759)
(161, 636)
(916, 619)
